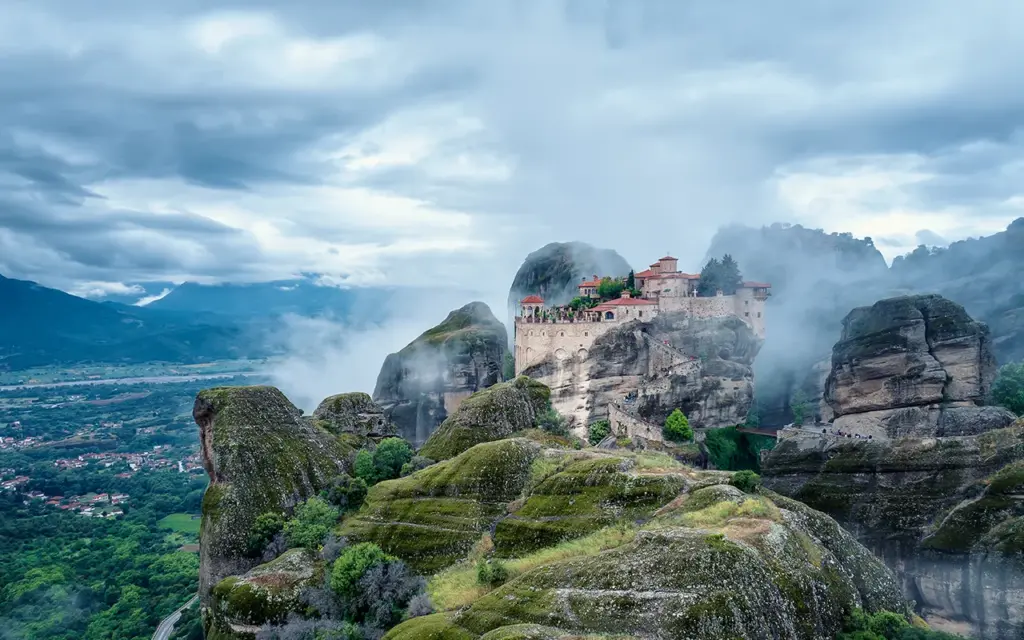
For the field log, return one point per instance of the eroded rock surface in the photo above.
(356, 414)
(261, 455)
(492, 414)
(419, 386)
(701, 366)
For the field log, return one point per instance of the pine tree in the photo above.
(710, 278)
(729, 275)
(631, 280)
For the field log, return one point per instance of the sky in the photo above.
(414, 142)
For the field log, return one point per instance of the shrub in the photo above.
(677, 428)
(491, 573)
(349, 568)
(417, 463)
(552, 422)
(598, 431)
(313, 519)
(1008, 389)
(364, 466)
(384, 592)
(886, 625)
(746, 481)
(333, 547)
(345, 492)
(297, 628)
(508, 367)
(389, 457)
(267, 526)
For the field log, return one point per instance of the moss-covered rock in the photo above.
(585, 496)
(264, 595)
(434, 627)
(987, 521)
(431, 518)
(356, 414)
(419, 386)
(261, 456)
(714, 563)
(491, 414)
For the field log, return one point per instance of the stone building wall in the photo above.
(625, 425)
(564, 339)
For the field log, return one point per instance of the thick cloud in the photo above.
(413, 141)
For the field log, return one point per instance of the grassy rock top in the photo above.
(475, 316)
(713, 563)
(431, 518)
(487, 415)
(353, 413)
(261, 456)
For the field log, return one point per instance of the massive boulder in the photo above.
(492, 414)
(910, 366)
(354, 414)
(554, 271)
(427, 380)
(911, 373)
(261, 456)
(713, 562)
(701, 366)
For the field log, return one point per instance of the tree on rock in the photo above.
(631, 280)
(729, 278)
(1008, 390)
(609, 288)
(677, 428)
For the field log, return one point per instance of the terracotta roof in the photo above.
(646, 273)
(532, 300)
(675, 276)
(757, 285)
(667, 258)
(589, 283)
(624, 302)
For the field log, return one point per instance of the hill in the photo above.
(41, 326)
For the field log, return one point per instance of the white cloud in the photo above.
(145, 300)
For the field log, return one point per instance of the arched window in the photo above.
(561, 334)
(586, 333)
(608, 315)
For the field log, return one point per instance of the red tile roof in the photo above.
(589, 283)
(646, 273)
(532, 300)
(624, 302)
(757, 285)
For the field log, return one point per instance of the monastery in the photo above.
(541, 330)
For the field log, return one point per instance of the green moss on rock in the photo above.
(431, 518)
(492, 414)
(262, 456)
(587, 495)
(433, 627)
(354, 414)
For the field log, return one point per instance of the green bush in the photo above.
(746, 481)
(417, 463)
(389, 457)
(364, 467)
(552, 422)
(313, 520)
(267, 526)
(677, 428)
(886, 625)
(345, 492)
(598, 431)
(1008, 389)
(492, 573)
(351, 566)
(508, 367)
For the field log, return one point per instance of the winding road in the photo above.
(166, 626)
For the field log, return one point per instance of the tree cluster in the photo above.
(1008, 390)
(720, 275)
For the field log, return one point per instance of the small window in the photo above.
(758, 314)
(746, 302)
(586, 333)
(640, 313)
(747, 314)
(561, 334)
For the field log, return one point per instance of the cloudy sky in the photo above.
(414, 141)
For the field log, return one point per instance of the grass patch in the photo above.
(181, 523)
(654, 462)
(718, 513)
(457, 586)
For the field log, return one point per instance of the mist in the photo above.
(324, 356)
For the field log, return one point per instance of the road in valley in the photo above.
(166, 626)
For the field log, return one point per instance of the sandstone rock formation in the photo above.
(701, 366)
(912, 372)
(712, 562)
(913, 365)
(356, 414)
(261, 456)
(492, 414)
(554, 271)
(424, 382)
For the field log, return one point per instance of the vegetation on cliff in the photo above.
(555, 270)
(1008, 389)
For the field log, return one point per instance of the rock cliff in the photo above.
(424, 382)
(912, 373)
(912, 365)
(261, 456)
(701, 366)
(355, 414)
(554, 271)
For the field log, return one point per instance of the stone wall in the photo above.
(536, 340)
(625, 425)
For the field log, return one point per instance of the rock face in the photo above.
(554, 271)
(492, 414)
(905, 366)
(424, 382)
(261, 456)
(712, 562)
(265, 594)
(356, 414)
(912, 373)
(701, 366)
